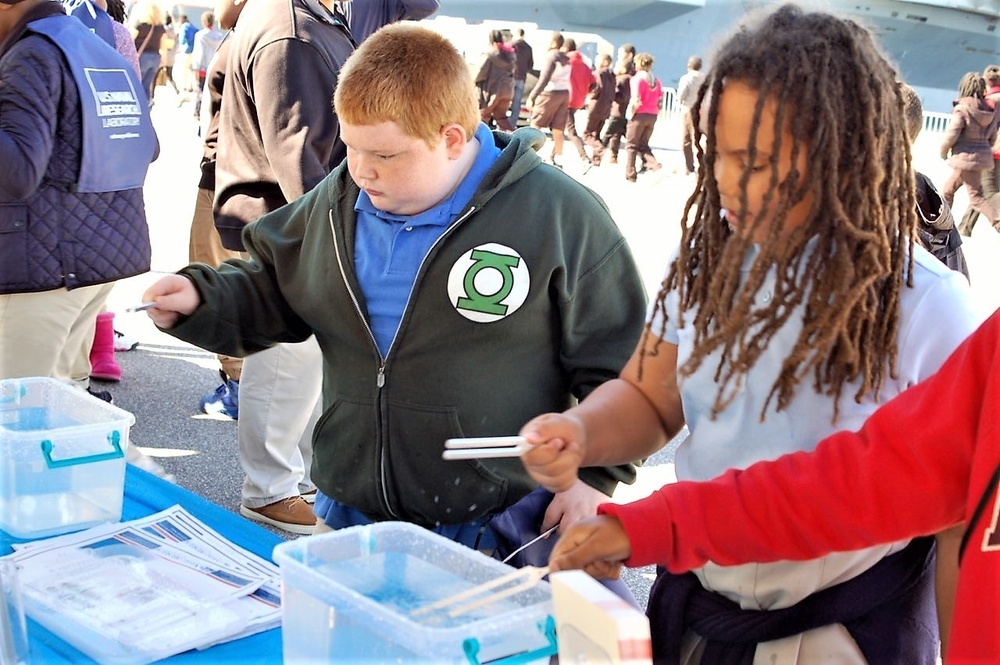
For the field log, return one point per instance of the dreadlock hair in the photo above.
(972, 84)
(847, 265)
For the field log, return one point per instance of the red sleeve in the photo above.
(905, 473)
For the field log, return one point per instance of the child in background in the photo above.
(456, 285)
(968, 146)
(644, 106)
(614, 130)
(991, 176)
(936, 227)
(797, 301)
(599, 102)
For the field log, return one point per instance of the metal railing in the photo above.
(934, 123)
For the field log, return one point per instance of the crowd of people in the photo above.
(367, 262)
(618, 102)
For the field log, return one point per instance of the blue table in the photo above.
(146, 494)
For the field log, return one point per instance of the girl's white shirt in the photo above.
(937, 315)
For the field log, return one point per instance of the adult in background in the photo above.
(148, 34)
(186, 31)
(599, 103)
(991, 176)
(495, 82)
(581, 78)
(278, 138)
(206, 43)
(525, 62)
(73, 225)
(106, 20)
(968, 145)
(123, 38)
(687, 92)
(644, 106)
(168, 55)
(366, 16)
(204, 244)
(549, 98)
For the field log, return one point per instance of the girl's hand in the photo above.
(597, 545)
(556, 452)
(175, 296)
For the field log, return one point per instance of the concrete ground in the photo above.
(164, 378)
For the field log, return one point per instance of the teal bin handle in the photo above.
(114, 439)
(548, 627)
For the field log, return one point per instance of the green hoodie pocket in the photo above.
(430, 490)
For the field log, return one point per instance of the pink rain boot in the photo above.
(103, 365)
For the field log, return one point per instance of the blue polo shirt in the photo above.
(389, 249)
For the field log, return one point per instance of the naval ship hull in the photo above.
(932, 42)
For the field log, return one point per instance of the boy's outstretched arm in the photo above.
(909, 471)
(175, 296)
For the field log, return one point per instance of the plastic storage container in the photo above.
(348, 596)
(62, 458)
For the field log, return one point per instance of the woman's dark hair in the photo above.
(116, 10)
(847, 266)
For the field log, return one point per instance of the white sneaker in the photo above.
(123, 342)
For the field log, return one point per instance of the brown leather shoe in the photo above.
(292, 514)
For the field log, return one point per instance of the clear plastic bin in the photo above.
(348, 596)
(62, 458)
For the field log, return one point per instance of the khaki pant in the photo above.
(205, 246)
(280, 393)
(50, 333)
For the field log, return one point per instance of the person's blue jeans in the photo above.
(149, 64)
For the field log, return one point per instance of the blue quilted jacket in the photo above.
(50, 236)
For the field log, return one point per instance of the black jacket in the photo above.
(278, 136)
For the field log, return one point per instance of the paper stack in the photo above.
(136, 592)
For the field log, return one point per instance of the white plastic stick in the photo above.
(527, 576)
(484, 447)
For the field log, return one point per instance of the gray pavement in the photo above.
(164, 378)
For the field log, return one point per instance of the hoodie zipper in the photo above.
(380, 374)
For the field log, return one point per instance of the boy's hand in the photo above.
(577, 503)
(174, 296)
(556, 452)
(597, 545)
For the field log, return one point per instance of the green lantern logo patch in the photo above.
(488, 283)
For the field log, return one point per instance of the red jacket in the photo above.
(581, 77)
(925, 461)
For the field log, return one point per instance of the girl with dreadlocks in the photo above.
(797, 301)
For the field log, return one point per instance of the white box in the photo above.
(595, 625)
(347, 596)
(62, 458)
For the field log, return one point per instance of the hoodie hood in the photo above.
(978, 110)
